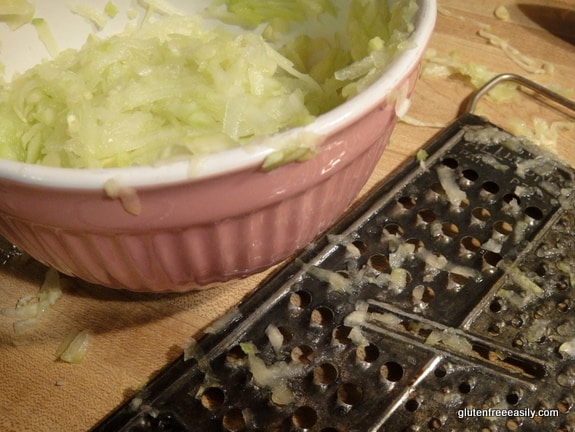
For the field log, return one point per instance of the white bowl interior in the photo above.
(22, 49)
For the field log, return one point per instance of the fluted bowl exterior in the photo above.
(190, 233)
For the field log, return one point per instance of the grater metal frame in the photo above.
(421, 309)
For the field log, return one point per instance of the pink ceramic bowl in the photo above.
(231, 220)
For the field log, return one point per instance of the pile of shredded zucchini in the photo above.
(173, 87)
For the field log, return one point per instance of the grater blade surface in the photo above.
(449, 289)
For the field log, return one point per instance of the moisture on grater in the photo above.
(490, 135)
(444, 298)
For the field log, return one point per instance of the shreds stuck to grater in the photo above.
(444, 301)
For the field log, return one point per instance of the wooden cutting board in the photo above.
(136, 334)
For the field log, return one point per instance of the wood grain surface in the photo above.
(137, 334)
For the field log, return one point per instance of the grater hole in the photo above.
(407, 279)
(564, 305)
(392, 230)
(543, 405)
(234, 420)
(512, 424)
(406, 202)
(450, 230)
(411, 405)
(213, 398)
(495, 328)
(391, 371)
(325, 374)
(496, 305)
(300, 299)
(465, 387)
(490, 188)
(470, 175)
(343, 273)
(340, 335)
(349, 394)
(480, 214)
(437, 189)
(235, 355)
(426, 216)
(456, 281)
(450, 163)
(470, 244)
(541, 270)
(503, 228)
(304, 417)
(303, 354)
(562, 284)
(360, 245)
(564, 406)
(322, 316)
(517, 322)
(534, 213)
(286, 335)
(511, 199)
(423, 294)
(367, 353)
(434, 424)
(490, 260)
(379, 262)
(440, 372)
(513, 398)
(544, 310)
(417, 243)
(281, 396)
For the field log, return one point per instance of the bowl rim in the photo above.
(241, 158)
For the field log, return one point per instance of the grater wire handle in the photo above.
(537, 88)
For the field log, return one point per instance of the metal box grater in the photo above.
(450, 289)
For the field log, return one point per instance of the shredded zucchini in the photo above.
(174, 87)
(16, 13)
